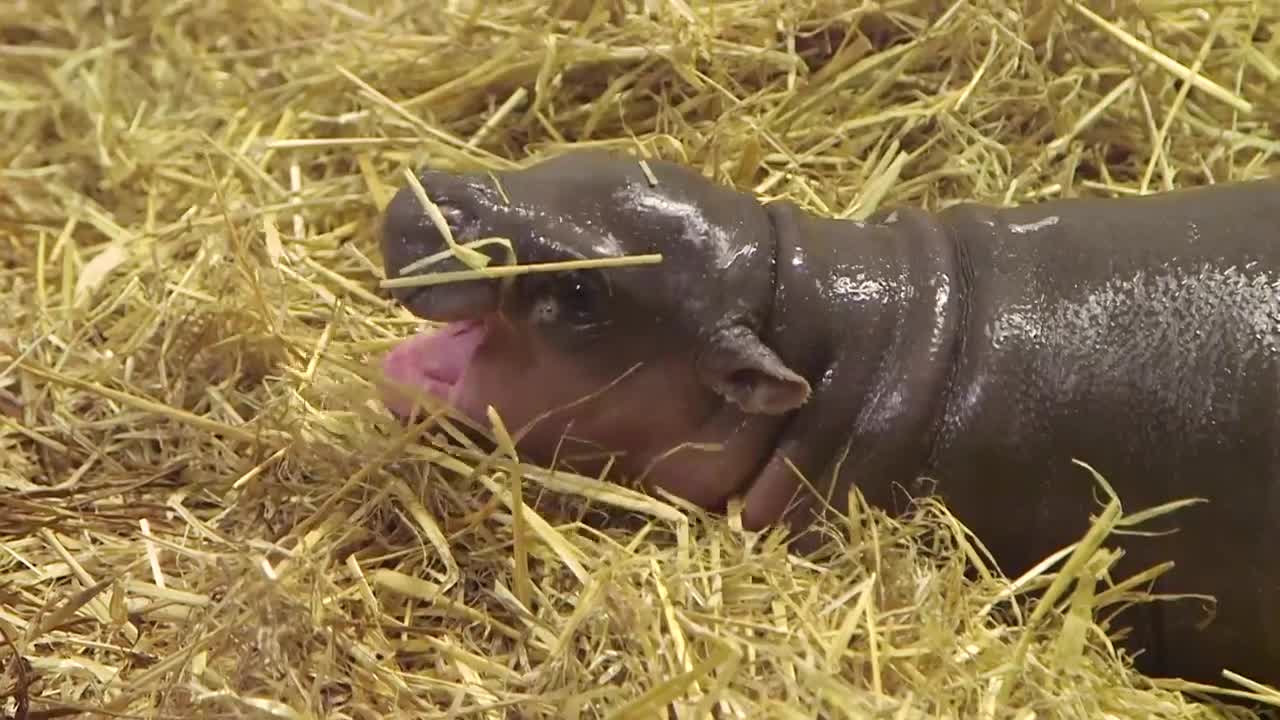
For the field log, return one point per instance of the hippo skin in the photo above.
(971, 353)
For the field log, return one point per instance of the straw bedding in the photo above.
(204, 512)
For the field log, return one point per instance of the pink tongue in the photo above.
(432, 362)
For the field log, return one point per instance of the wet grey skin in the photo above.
(972, 353)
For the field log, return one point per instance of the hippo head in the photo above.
(633, 363)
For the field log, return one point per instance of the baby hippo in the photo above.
(783, 357)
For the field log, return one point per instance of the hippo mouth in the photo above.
(432, 363)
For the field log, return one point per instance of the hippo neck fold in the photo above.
(873, 315)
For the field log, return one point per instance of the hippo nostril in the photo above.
(458, 221)
(452, 215)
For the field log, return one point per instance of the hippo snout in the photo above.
(409, 235)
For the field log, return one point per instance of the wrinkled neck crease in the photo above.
(771, 307)
(957, 264)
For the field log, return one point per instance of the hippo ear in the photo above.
(746, 372)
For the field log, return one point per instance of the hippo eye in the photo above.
(572, 299)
